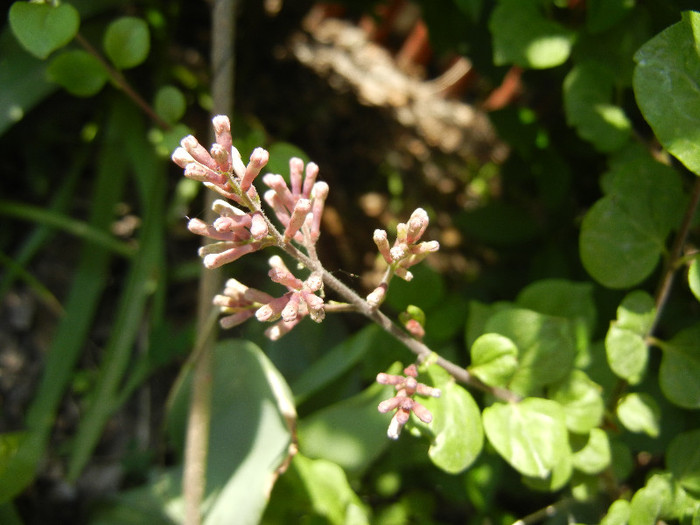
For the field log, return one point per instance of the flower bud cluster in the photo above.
(221, 168)
(299, 301)
(407, 250)
(406, 387)
(299, 206)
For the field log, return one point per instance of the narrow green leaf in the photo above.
(679, 375)
(43, 28)
(89, 281)
(582, 401)
(127, 42)
(530, 435)
(546, 346)
(667, 90)
(80, 73)
(458, 435)
(639, 413)
(494, 359)
(683, 460)
(524, 36)
(330, 492)
(588, 94)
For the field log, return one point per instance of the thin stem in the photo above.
(674, 257)
(122, 83)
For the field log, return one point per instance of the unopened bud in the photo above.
(198, 152)
(301, 210)
(220, 155)
(296, 167)
(181, 157)
(416, 226)
(258, 226)
(258, 160)
(376, 297)
(381, 240)
(310, 179)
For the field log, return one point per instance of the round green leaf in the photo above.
(524, 36)
(679, 375)
(494, 359)
(458, 435)
(666, 86)
(582, 401)
(683, 460)
(546, 345)
(637, 312)
(530, 435)
(623, 234)
(588, 93)
(618, 513)
(627, 353)
(127, 42)
(170, 104)
(79, 72)
(639, 413)
(43, 28)
(595, 456)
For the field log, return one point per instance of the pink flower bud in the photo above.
(310, 180)
(215, 260)
(220, 156)
(415, 329)
(377, 296)
(401, 233)
(423, 413)
(181, 157)
(237, 163)
(258, 226)
(301, 210)
(296, 167)
(381, 240)
(277, 183)
(273, 309)
(314, 282)
(404, 274)
(417, 224)
(258, 160)
(230, 321)
(426, 390)
(256, 296)
(291, 309)
(198, 152)
(197, 172)
(285, 278)
(320, 193)
(398, 252)
(389, 404)
(273, 200)
(222, 129)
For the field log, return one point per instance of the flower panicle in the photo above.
(403, 403)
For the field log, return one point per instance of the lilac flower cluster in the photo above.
(406, 387)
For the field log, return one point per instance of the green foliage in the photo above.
(585, 364)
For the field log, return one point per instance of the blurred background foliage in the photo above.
(99, 274)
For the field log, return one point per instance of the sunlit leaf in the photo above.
(683, 460)
(595, 454)
(494, 359)
(582, 401)
(667, 90)
(530, 435)
(639, 413)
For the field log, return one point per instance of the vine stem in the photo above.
(670, 268)
(420, 349)
(199, 418)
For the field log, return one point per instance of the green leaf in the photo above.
(43, 28)
(80, 73)
(624, 234)
(618, 513)
(679, 375)
(588, 94)
(637, 312)
(694, 277)
(683, 460)
(627, 353)
(603, 14)
(458, 436)
(252, 413)
(494, 359)
(546, 345)
(523, 36)
(170, 104)
(330, 492)
(530, 435)
(561, 298)
(351, 433)
(582, 401)
(639, 413)
(595, 455)
(127, 42)
(666, 86)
